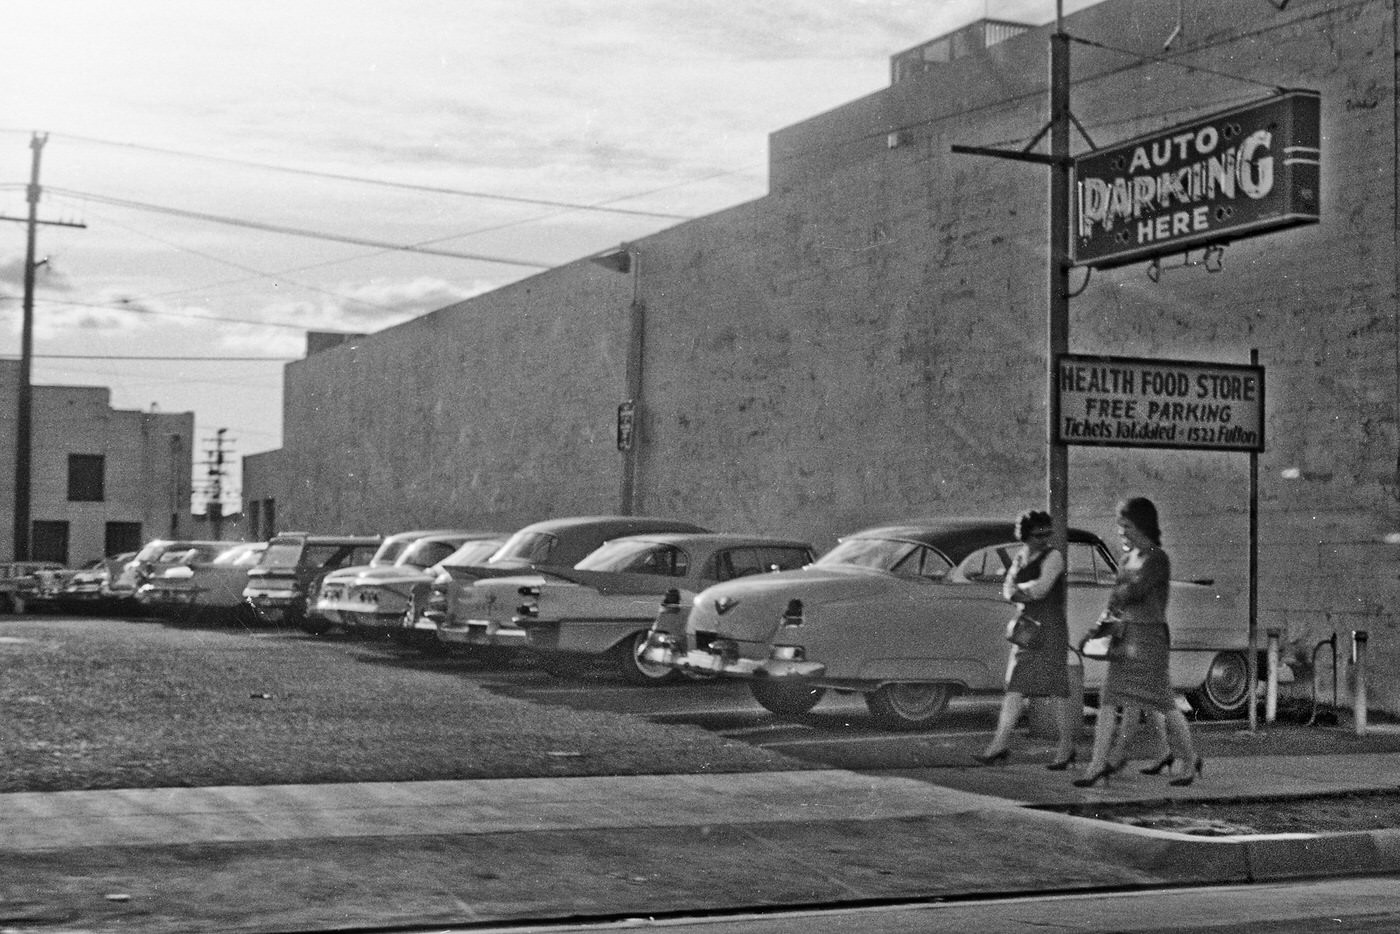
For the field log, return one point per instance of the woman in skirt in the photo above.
(1138, 666)
(1036, 582)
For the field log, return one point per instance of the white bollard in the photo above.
(1358, 696)
(1271, 687)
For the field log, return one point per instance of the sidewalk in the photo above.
(341, 856)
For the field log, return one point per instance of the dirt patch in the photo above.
(1356, 811)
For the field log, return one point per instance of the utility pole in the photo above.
(1060, 163)
(214, 504)
(24, 415)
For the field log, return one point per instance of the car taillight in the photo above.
(792, 616)
(530, 609)
(788, 653)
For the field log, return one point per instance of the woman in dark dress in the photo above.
(1036, 581)
(1138, 667)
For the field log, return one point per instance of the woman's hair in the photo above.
(1140, 511)
(1032, 520)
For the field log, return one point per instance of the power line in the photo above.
(258, 274)
(1163, 60)
(406, 186)
(129, 305)
(186, 359)
(291, 231)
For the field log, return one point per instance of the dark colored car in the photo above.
(291, 569)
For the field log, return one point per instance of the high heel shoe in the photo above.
(1157, 767)
(1059, 765)
(1191, 775)
(995, 758)
(1088, 781)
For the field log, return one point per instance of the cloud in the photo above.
(361, 307)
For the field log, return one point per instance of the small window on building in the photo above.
(255, 531)
(122, 537)
(85, 478)
(50, 541)
(269, 517)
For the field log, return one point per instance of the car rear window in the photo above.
(880, 553)
(243, 554)
(637, 558)
(531, 547)
(283, 554)
(472, 554)
(332, 556)
(389, 552)
(427, 553)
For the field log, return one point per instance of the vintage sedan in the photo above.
(209, 590)
(290, 571)
(604, 606)
(154, 558)
(467, 618)
(419, 628)
(389, 552)
(908, 615)
(373, 600)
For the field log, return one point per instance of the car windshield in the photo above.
(635, 557)
(879, 553)
(531, 547)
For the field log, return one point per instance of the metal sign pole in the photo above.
(1057, 452)
(1252, 659)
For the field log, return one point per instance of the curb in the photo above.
(1243, 858)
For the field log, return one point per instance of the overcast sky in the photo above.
(166, 120)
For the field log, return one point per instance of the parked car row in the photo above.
(905, 615)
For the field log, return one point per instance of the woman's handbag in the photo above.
(1023, 631)
(1102, 641)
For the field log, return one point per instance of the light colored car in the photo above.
(468, 619)
(153, 558)
(389, 551)
(604, 606)
(200, 589)
(421, 629)
(908, 615)
(373, 600)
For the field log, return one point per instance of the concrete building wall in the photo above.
(868, 341)
(147, 458)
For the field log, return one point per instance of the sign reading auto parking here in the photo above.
(1130, 402)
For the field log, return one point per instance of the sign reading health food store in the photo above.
(1135, 402)
(1234, 174)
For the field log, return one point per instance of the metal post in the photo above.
(1271, 691)
(636, 357)
(1057, 453)
(1358, 694)
(1252, 658)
